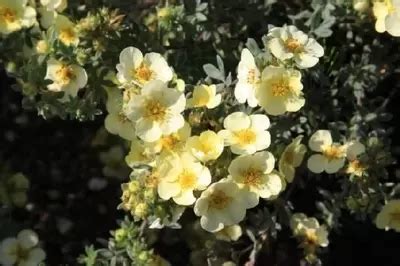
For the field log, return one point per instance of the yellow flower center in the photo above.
(155, 111)
(143, 73)
(65, 74)
(251, 77)
(20, 253)
(170, 142)
(280, 88)
(389, 4)
(245, 137)
(187, 179)
(252, 177)
(311, 237)
(356, 167)
(293, 45)
(8, 15)
(122, 117)
(206, 146)
(219, 200)
(67, 35)
(152, 180)
(333, 152)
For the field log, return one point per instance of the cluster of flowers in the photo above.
(386, 13)
(150, 110)
(22, 250)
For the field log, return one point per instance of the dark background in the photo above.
(59, 160)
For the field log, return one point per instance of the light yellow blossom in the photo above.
(355, 166)
(68, 78)
(389, 216)
(138, 154)
(15, 15)
(291, 158)
(309, 230)
(387, 14)
(361, 5)
(254, 173)
(205, 96)
(183, 175)
(208, 146)
(66, 31)
(288, 42)
(156, 111)
(21, 250)
(331, 156)
(139, 70)
(223, 204)
(248, 79)
(246, 134)
(280, 90)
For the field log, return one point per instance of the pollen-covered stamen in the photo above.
(293, 45)
(7, 15)
(187, 180)
(65, 74)
(333, 152)
(219, 200)
(67, 35)
(245, 136)
(252, 177)
(143, 73)
(155, 111)
(311, 237)
(170, 142)
(280, 88)
(251, 77)
(356, 167)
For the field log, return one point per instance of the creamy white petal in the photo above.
(320, 139)
(317, 163)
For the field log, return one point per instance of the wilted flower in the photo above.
(331, 157)
(15, 15)
(156, 111)
(291, 158)
(208, 146)
(183, 175)
(310, 232)
(389, 216)
(223, 204)
(254, 173)
(68, 78)
(205, 96)
(280, 90)
(229, 233)
(246, 134)
(134, 68)
(248, 79)
(66, 31)
(288, 42)
(22, 250)
(355, 166)
(387, 13)
(116, 121)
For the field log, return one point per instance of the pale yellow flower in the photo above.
(172, 143)
(15, 15)
(331, 156)
(280, 90)
(22, 250)
(116, 121)
(205, 96)
(288, 42)
(229, 233)
(355, 166)
(139, 154)
(309, 230)
(183, 174)
(66, 31)
(248, 79)
(156, 111)
(208, 146)
(291, 158)
(361, 5)
(68, 78)
(389, 216)
(58, 5)
(246, 134)
(387, 14)
(135, 68)
(223, 204)
(254, 173)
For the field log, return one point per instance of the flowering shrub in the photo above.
(211, 154)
